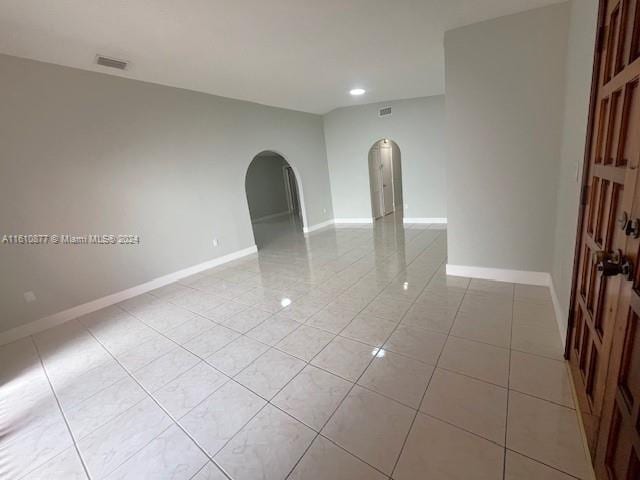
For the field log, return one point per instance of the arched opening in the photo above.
(385, 179)
(274, 198)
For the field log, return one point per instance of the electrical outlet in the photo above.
(29, 297)
(215, 242)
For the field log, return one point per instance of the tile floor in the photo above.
(346, 355)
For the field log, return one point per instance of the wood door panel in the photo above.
(603, 346)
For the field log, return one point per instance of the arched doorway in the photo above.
(385, 178)
(274, 197)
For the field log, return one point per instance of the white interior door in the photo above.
(375, 181)
(387, 179)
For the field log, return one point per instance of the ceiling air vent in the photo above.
(384, 112)
(111, 62)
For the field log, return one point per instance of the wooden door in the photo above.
(603, 344)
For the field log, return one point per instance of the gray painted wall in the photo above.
(89, 153)
(505, 97)
(582, 35)
(266, 193)
(417, 126)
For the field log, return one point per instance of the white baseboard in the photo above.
(273, 215)
(352, 220)
(561, 315)
(517, 276)
(317, 226)
(501, 275)
(74, 312)
(439, 220)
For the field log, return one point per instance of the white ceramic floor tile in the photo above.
(209, 342)
(345, 358)
(479, 360)
(486, 328)
(546, 432)
(325, 460)
(540, 377)
(417, 343)
(312, 396)
(190, 329)
(398, 377)
(273, 330)
(24, 451)
(537, 339)
(186, 391)
(172, 455)
(145, 353)
(164, 369)
(65, 466)
(519, 467)
(269, 373)
(104, 406)
(246, 320)
(305, 342)
(491, 287)
(235, 356)
(268, 447)
(109, 446)
(371, 427)
(221, 415)
(331, 318)
(210, 472)
(225, 311)
(424, 315)
(388, 308)
(435, 449)
(72, 390)
(197, 301)
(533, 294)
(470, 404)
(369, 329)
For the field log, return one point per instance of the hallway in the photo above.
(347, 354)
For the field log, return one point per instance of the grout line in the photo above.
(406, 438)
(64, 417)
(506, 418)
(150, 395)
(543, 463)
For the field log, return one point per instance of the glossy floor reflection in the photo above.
(347, 354)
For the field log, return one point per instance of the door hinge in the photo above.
(584, 195)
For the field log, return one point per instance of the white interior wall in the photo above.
(86, 153)
(505, 93)
(417, 126)
(582, 36)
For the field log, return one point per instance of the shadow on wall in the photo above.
(385, 178)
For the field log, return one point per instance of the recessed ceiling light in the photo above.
(357, 91)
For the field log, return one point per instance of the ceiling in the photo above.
(298, 54)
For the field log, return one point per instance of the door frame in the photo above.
(381, 203)
(296, 172)
(598, 52)
(287, 171)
